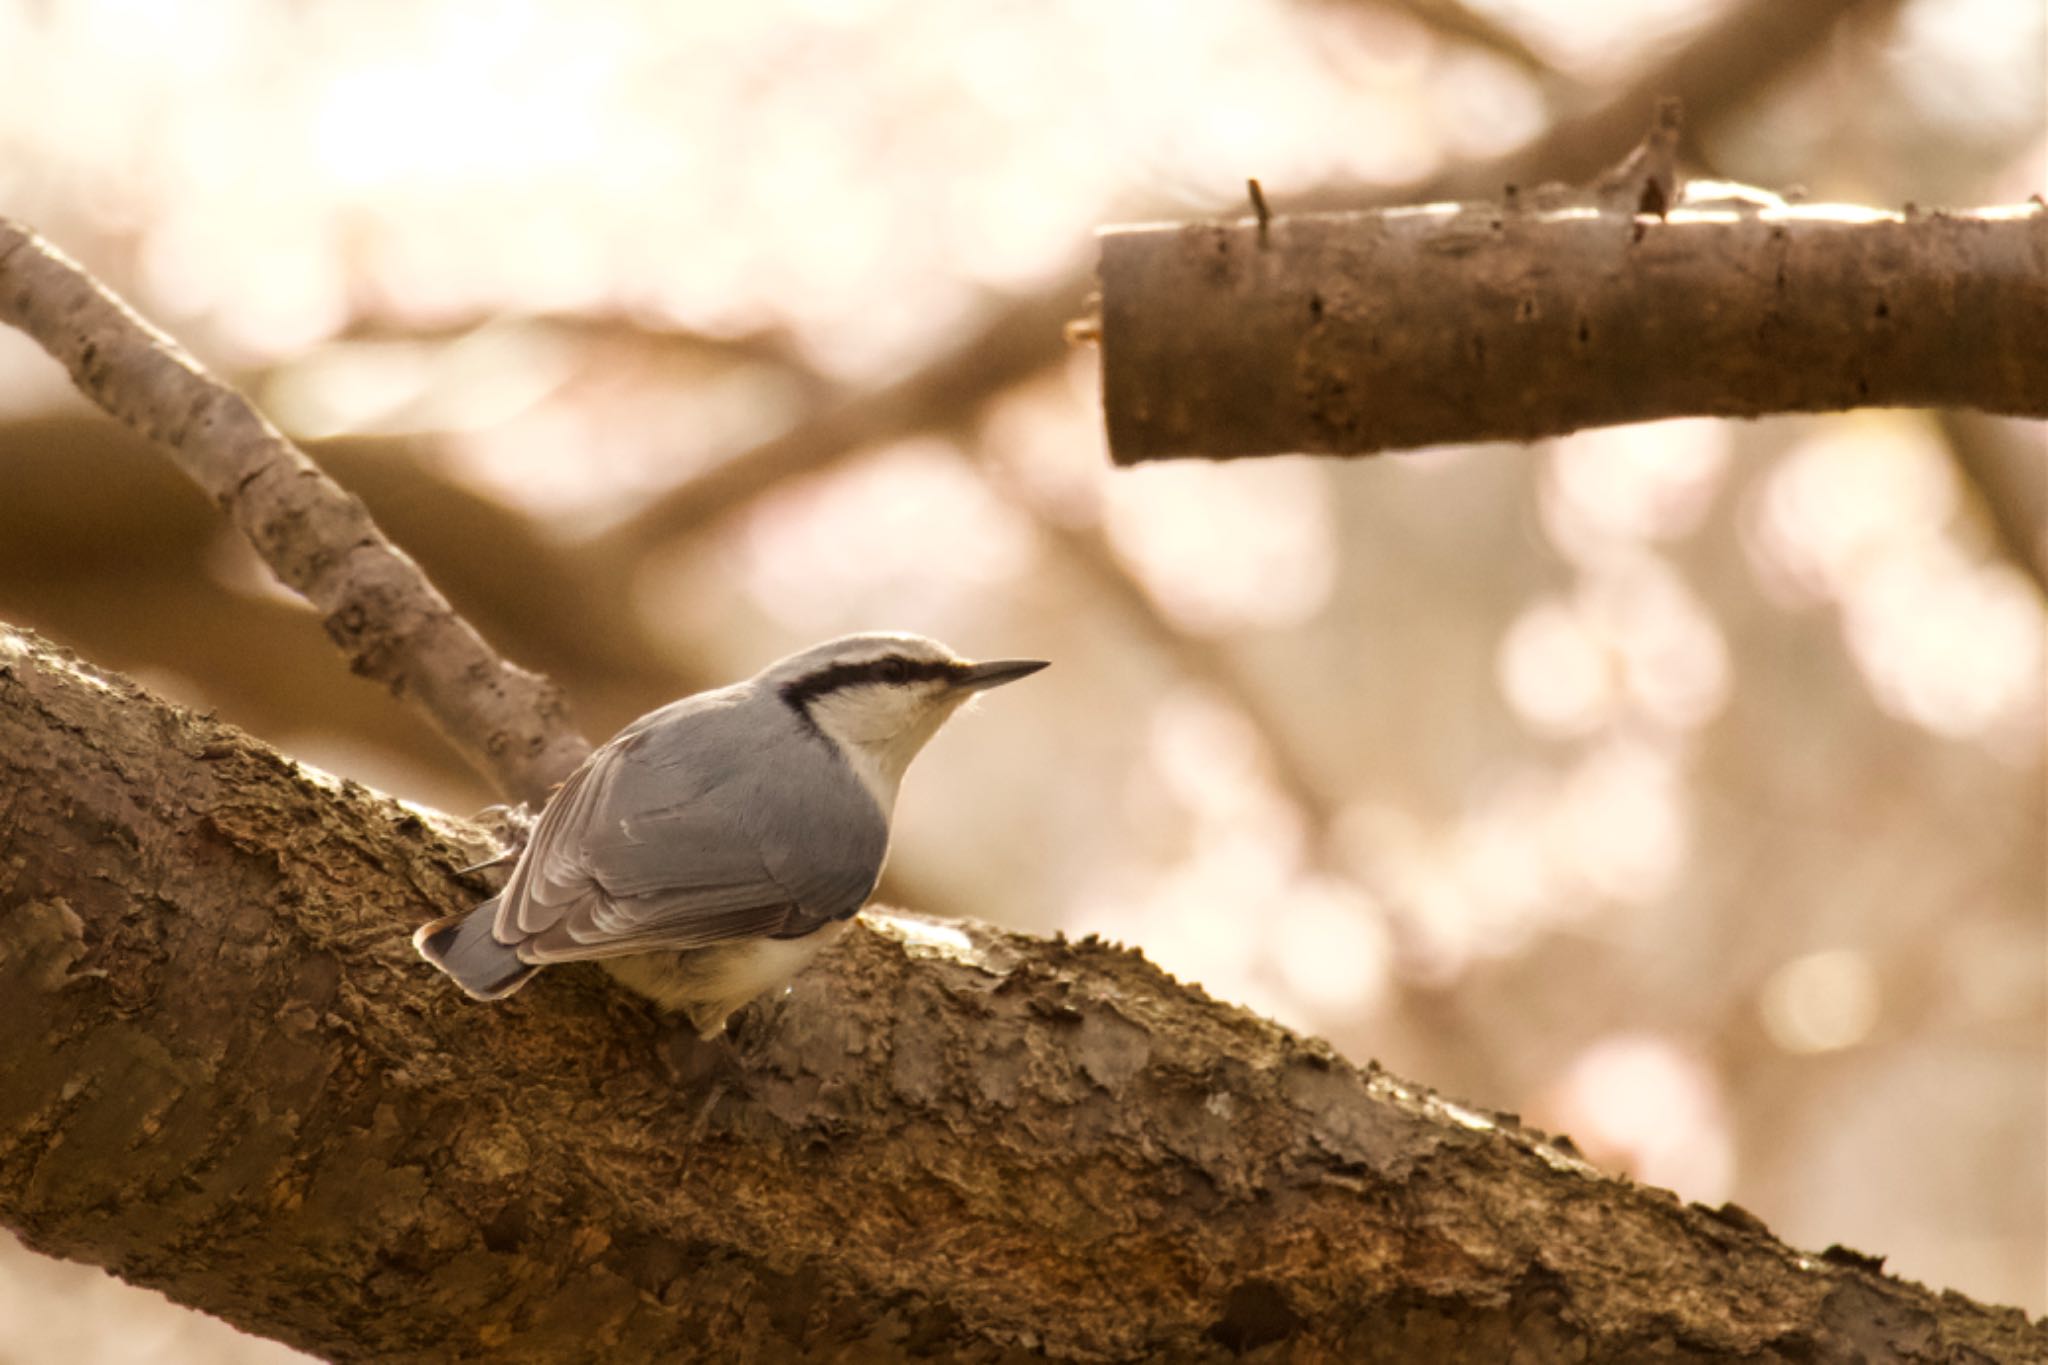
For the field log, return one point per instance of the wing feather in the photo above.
(686, 830)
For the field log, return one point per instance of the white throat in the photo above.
(881, 773)
(879, 752)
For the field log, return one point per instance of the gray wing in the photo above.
(690, 828)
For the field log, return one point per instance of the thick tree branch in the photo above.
(223, 1073)
(395, 627)
(1354, 333)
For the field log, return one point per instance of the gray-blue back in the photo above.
(718, 817)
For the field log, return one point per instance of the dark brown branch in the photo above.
(395, 627)
(1354, 333)
(224, 1074)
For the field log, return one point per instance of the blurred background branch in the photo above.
(2001, 462)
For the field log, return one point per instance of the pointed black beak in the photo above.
(994, 673)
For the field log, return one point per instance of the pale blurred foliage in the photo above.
(1863, 517)
(860, 544)
(1822, 1001)
(1638, 1101)
(1678, 786)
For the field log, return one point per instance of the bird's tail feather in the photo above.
(464, 947)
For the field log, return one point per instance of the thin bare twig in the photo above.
(607, 328)
(513, 725)
(1715, 71)
(1460, 22)
(1020, 338)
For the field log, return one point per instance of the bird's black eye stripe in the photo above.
(890, 670)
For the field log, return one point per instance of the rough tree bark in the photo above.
(1354, 333)
(225, 1074)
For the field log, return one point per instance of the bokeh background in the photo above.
(1679, 787)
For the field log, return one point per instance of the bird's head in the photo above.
(879, 697)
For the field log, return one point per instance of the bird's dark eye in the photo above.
(893, 670)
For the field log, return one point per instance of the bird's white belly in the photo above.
(708, 984)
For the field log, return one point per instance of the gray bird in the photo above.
(709, 850)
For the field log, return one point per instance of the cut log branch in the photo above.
(224, 1074)
(511, 725)
(1354, 333)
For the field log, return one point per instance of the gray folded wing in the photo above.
(715, 819)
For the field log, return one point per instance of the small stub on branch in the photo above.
(1086, 330)
(1264, 214)
(1646, 180)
